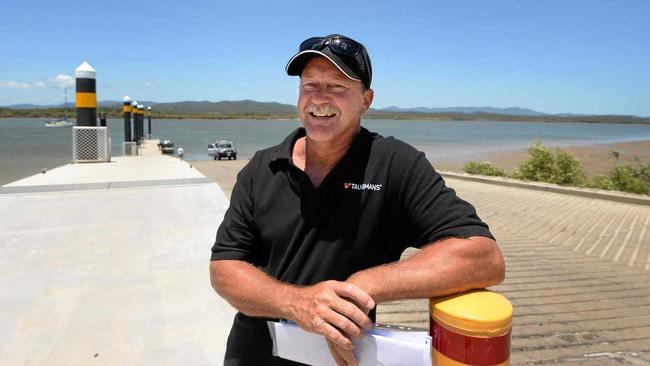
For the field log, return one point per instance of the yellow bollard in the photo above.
(471, 328)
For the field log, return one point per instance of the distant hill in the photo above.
(250, 109)
(29, 106)
(512, 111)
(222, 108)
(118, 103)
(227, 107)
(102, 104)
(272, 108)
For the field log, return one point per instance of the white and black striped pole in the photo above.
(126, 107)
(141, 122)
(134, 108)
(86, 95)
(149, 115)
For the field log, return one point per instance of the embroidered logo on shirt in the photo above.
(361, 186)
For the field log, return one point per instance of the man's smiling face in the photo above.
(330, 105)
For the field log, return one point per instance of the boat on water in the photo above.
(61, 122)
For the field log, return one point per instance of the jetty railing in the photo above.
(91, 144)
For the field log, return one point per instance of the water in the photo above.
(27, 146)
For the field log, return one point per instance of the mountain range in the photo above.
(511, 111)
(102, 104)
(273, 108)
(250, 109)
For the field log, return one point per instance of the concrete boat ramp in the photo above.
(107, 263)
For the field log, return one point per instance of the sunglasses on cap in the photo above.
(340, 45)
(347, 54)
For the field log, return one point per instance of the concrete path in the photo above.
(108, 264)
(224, 172)
(149, 147)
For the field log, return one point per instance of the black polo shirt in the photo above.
(382, 197)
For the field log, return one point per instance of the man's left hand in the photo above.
(342, 356)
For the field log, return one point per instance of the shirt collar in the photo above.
(285, 149)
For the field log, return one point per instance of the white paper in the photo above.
(380, 346)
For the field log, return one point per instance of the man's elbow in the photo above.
(216, 277)
(495, 266)
(500, 270)
(226, 277)
(485, 260)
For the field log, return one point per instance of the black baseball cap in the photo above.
(348, 55)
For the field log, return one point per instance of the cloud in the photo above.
(154, 83)
(62, 81)
(22, 86)
(59, 81)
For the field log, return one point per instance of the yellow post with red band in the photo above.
(471, 328)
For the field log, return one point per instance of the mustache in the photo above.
(322, 109)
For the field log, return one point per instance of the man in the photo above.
(316, 225)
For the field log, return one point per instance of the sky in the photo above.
(551, 56)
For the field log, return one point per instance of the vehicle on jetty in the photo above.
(167, 147)
(222, 149)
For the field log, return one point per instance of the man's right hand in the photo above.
(337, 310)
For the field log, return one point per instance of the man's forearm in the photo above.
(446, 267)
(250, 290)
(337, 310)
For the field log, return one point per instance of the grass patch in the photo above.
(545, 166)
(484, 168)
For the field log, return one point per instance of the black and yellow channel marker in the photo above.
(86, 97)
(134, 111)
(126, 107)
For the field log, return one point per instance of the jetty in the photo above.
(108, 262)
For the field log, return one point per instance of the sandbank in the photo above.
(595, 159)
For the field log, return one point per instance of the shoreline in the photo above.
(595, 159)
(597, 119)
